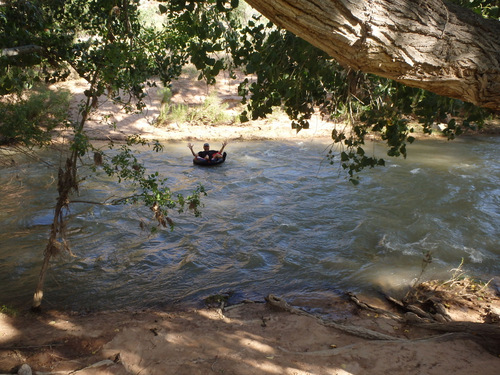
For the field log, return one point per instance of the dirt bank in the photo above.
(111, 122)
(254, 338)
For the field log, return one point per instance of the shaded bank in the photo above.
(264, 338)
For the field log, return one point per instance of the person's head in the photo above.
(206, 146)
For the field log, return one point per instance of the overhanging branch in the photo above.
(429, 44)
(21, 50)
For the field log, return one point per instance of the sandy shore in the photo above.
(102, 122)
(247, 339)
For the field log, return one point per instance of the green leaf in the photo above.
(163, 9)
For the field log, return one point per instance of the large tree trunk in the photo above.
(428, 44)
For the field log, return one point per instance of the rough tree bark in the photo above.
(429, 44)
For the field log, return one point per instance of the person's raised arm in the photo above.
(223, 145)
(190, 146)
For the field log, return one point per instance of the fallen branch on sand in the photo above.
(485, 334)
(281, 304)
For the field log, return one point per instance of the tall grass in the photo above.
(211, 112)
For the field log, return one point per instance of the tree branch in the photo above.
(428, 44)
(21, 50)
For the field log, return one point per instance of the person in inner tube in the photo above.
(207, 154)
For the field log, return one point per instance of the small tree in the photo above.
(104, 43)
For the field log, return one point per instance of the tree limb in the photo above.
(366, 333)
(429, 44)
(21, 50)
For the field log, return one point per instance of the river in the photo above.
(277, 219)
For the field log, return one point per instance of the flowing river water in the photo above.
(277, 219)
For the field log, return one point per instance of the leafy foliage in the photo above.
(9, 311)
(105, 43)
(303, 80)
(29, 121)
(290, 73)
(209, 31)
(485, 8)
(40, 24)
(152, 189)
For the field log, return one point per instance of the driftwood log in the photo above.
(484, 334)
(281, 304)
(487, 335)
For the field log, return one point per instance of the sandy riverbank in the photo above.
(188, 92)
(252, 338)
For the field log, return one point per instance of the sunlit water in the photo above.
(277, 219)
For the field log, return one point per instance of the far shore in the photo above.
(109, 122)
